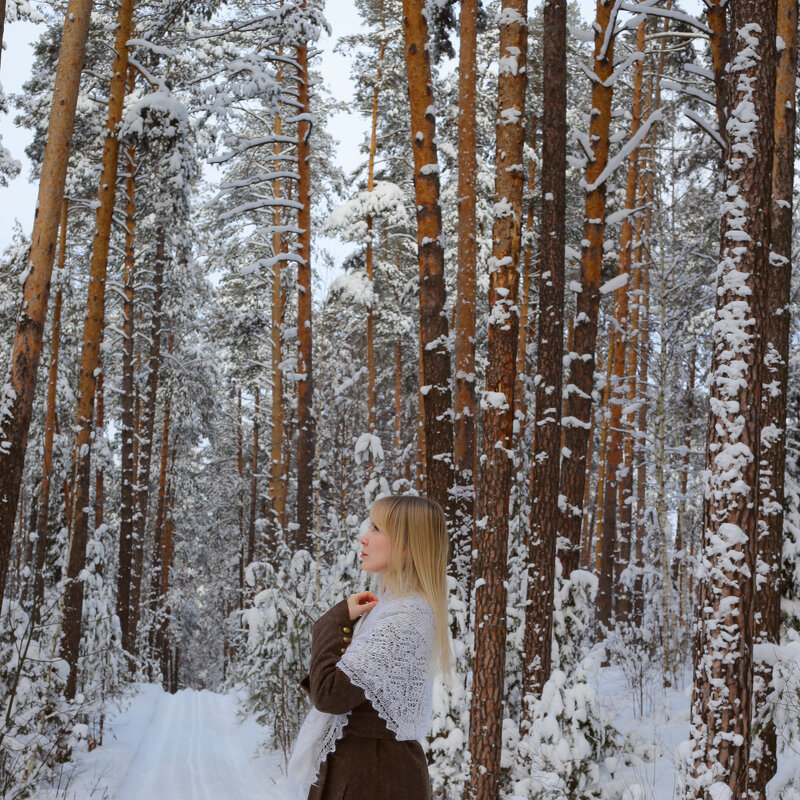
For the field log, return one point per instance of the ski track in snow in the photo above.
(187, 746)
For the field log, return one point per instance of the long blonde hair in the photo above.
(417, 525)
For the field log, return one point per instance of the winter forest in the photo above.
(561, 306)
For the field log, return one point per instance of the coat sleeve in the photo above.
(329, 689)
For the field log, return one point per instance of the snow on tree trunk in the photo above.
(398, 404)
(626, 387)
(597, 529)
(722, 695)
(526, 299)
(497, 458)
(644, 226)
(90, 352)
(43, 516)
(465, 407)
(146, 432)
(433, 327)
(372, 399)
(252, 550)
(306, 425)
(578, 401)
(774, 386)
(128, 466)
(99, 426)
(277, 496)
(544, 512)
(16, 395)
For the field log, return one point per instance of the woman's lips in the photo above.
(363, 554)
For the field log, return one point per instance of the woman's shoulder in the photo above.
(415, 604)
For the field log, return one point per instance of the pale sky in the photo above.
(18, 200)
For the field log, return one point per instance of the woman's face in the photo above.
(376, 549)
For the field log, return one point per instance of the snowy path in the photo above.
(186, 746)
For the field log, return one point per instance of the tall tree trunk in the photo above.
(251, 523)
(90, 353)
(128, 398)
(306, 426)
(718, 44)
(421, 476)
(372, 399)
(398, 404)
(433, 328)
(146, 430)
(643, 259)
(774, 369)
(99, 427)
(497, 459)
(601, 461)
(722, 696)
(16, 395)
(157, 574)
(525, 301)
(43, 517)
(240, 493)
(577, 419)
(277, 497)
(465, 408)
(624, 369)
(682, 530)
(544, 513)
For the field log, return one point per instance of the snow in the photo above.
(623, 153)
(615, 283)
(175, 747)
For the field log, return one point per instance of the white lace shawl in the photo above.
(389, 657)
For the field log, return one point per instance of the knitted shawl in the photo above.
(389, 657)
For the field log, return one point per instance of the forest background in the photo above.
(252, 333)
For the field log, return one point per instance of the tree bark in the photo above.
(251, 523)
(722, 696)
(16, 397)
(625, 383)
(306, 425)
(497, 458)
(128, 431)
(99, 426)
(433, 328)
(774, 375)
(525, 301)
(465, 408)
(398, 404)
(43, 517)
(718, 43)
(90, 352)
(277, 497)
(146, 432)
(544, 513)
(601, 461)
(577, 421)
(372, 399)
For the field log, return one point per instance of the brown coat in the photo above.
(369, 763)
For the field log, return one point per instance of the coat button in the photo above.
(345, 630)
(345, 638)
(344, 649)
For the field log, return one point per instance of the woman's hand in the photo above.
(360, 602)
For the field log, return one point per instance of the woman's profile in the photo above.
(374, 657)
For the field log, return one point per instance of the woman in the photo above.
(371, 683)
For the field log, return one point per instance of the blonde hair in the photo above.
(417, 525)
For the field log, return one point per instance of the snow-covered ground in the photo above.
(655, 719)
(188, 746)
(197, 745)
